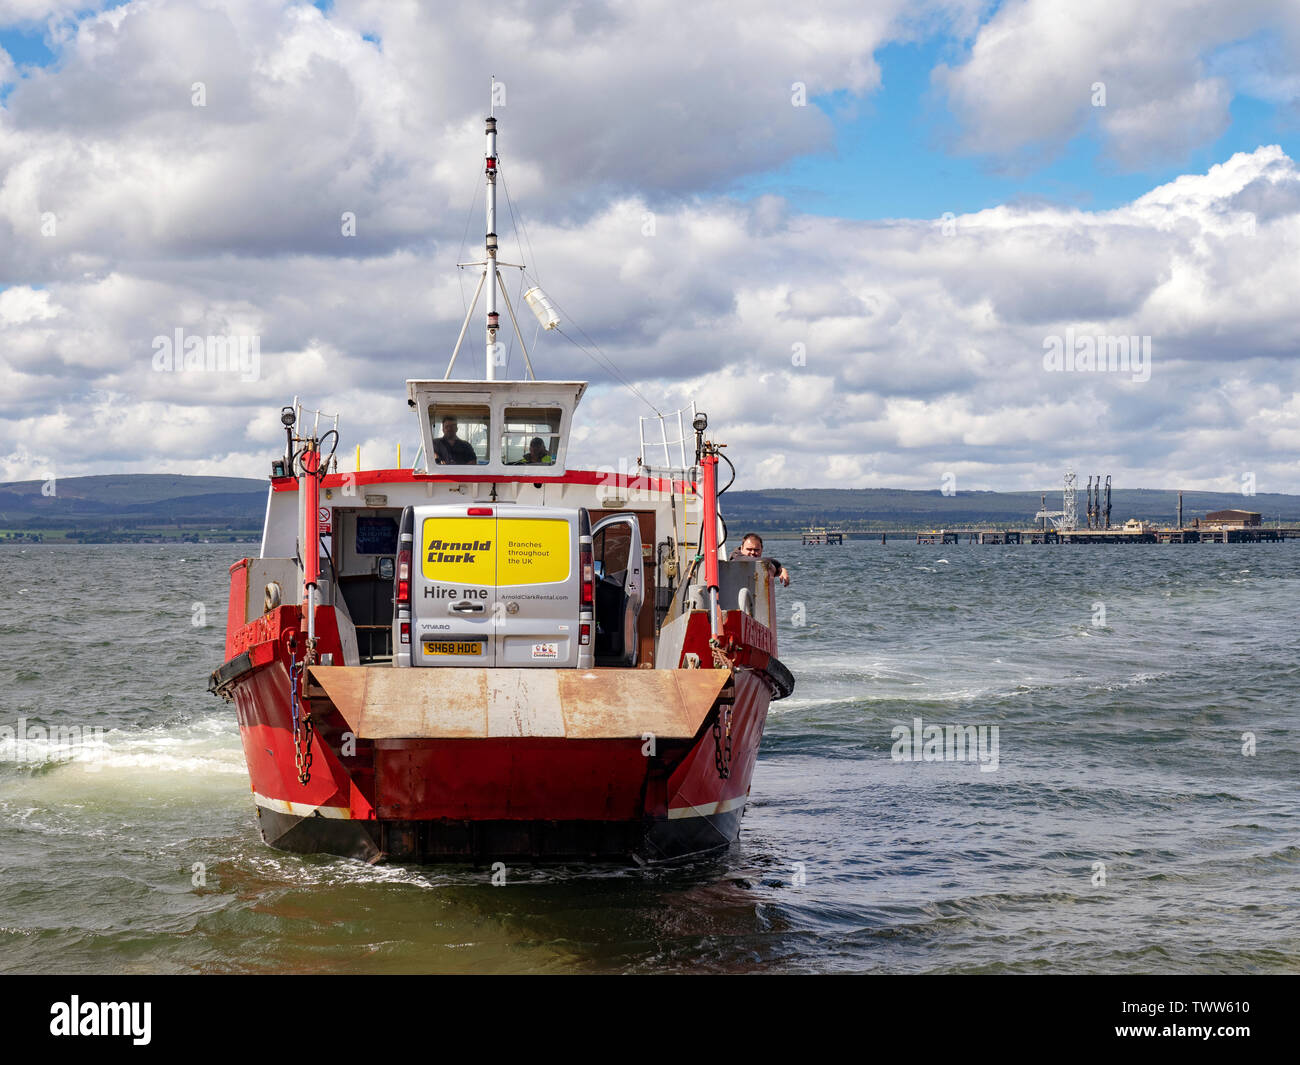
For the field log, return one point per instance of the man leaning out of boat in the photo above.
(752, 547)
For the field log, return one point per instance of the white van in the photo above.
(510, 585)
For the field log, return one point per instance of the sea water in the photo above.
(1141, 815)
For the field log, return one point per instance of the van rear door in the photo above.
(453, 593)
(538, 586)
(620, 587)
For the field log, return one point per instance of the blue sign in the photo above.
(376, 536)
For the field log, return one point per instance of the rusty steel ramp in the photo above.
(383, 703)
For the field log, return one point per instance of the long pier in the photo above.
(1250, 534)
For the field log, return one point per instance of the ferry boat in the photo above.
(494, 654)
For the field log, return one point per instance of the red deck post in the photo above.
(709, 539)
(311, 534)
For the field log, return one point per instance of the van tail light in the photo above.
(588, 572)
(406, 632)
(479, 512)
(404, 575)
(587, 604)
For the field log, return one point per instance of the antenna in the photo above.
(491, 275)
(490, 241)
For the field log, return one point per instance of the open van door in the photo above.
(620, 588)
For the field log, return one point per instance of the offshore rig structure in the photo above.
(1063, 526)
(1067, 518)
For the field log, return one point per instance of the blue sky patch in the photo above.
(26, 47)
(895, 154)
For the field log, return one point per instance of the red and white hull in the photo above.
(622, 780)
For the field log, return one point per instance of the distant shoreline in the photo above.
(167, 508)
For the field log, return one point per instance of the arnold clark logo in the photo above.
(179, 353)
(457, 550)
(1099, 353)
(946, 743)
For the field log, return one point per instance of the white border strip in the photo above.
(342, 813)
(708, 809)
(301, 809)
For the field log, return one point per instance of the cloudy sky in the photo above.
(853, 232)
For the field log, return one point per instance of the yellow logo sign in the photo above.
(533, 551)
(459, 550)
(505, 552)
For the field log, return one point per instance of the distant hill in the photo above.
(143, 506)
(140, 487)
(133, 506)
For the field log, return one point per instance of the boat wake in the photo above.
(206, 744)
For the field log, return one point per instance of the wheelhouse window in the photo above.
(530, 436)
(460, 434)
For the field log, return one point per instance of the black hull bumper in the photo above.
(431, 842)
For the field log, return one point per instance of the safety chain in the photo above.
(721, 760)
(720, 659)
(722, 722)
(303, 729)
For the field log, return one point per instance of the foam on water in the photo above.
(207, 745)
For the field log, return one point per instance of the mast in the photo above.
(490, 267)
(490, 279)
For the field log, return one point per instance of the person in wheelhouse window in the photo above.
(451, 450)
(752, 547)
(537, 454)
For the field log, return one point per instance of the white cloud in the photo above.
(1029, 81)
(18, 305)
(303, 119)
(922, 352)
(26, 13)
(925, 357)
